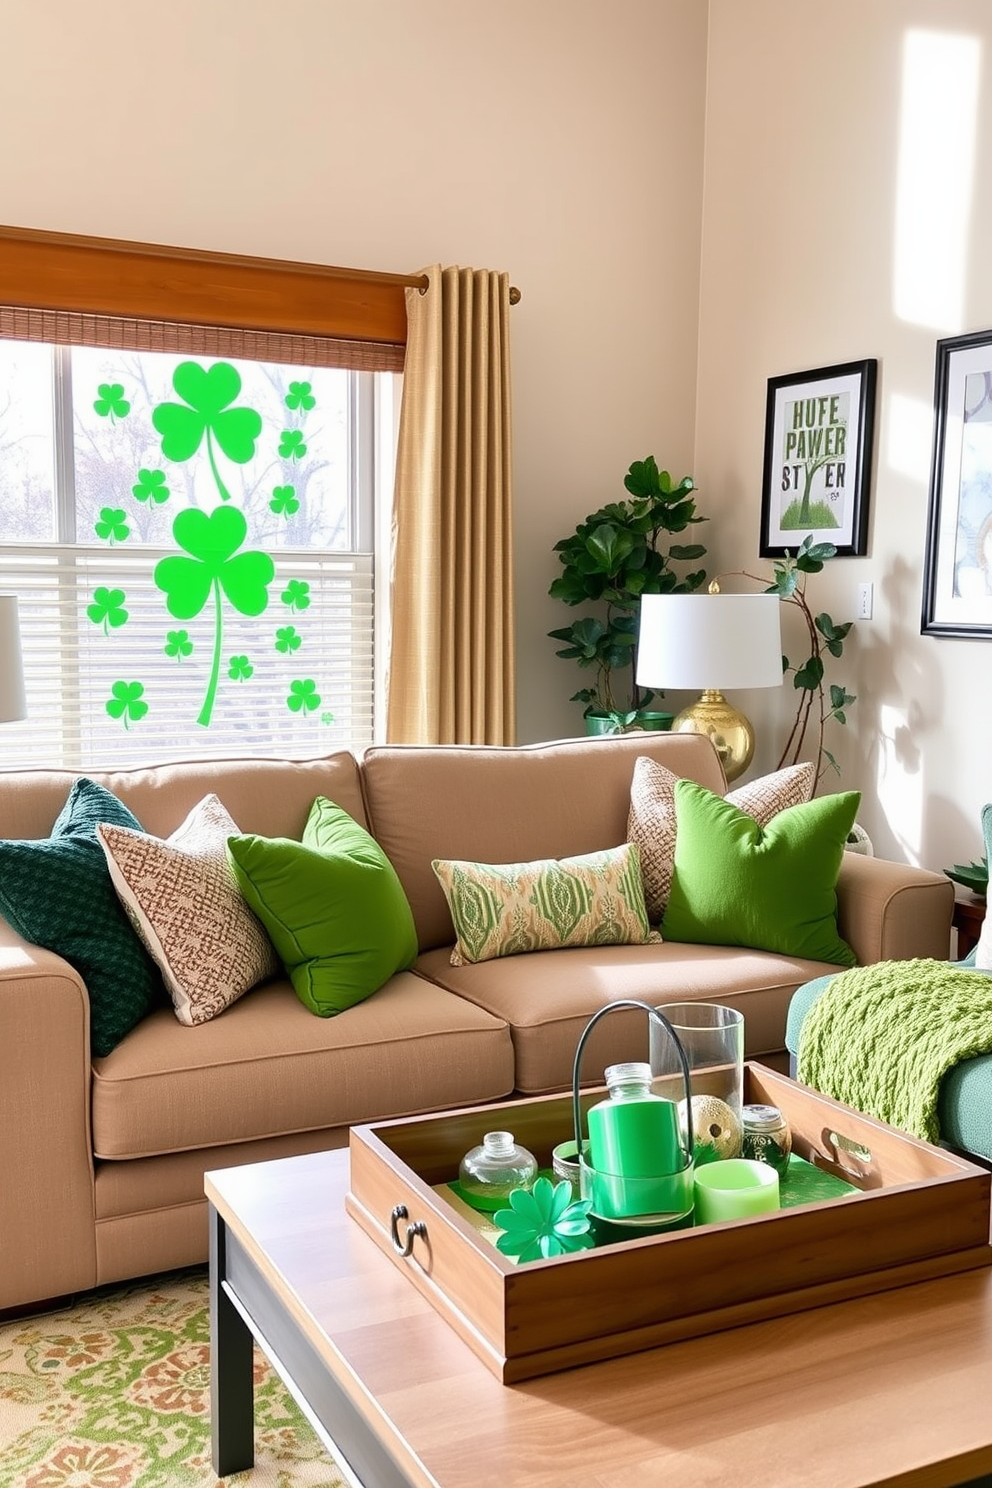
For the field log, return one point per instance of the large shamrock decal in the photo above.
(207, 394)
(215, 567)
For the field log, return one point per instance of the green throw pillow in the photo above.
(333, 906)
(771, 888)
(57, 893)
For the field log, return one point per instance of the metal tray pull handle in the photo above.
(417, 1227)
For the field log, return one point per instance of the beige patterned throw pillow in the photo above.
(184, 903)
(651, 820)
(503, 909)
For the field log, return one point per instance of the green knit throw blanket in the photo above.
(880, 1038)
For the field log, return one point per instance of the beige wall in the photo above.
(807, 261)
(559, 140)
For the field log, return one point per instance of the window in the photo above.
(191, 540)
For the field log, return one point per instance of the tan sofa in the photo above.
(102, 1160)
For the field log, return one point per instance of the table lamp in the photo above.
(712, 641)
(12, 702)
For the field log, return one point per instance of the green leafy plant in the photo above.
(819, 702)
(973, 875)
(613, 557)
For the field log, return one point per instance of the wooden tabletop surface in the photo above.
(892, 1389)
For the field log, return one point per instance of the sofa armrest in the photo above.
(893, 911)
(47, 1234)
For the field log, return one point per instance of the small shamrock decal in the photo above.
(207, 394)
(327, 717)
(296, 594)
(239, 668)
(111, 403)
(288, 639)
(284, 501)
(300, 396)
(543, 1221)
(178, 644)
(151, 487)
(112, 526)
(303, 696)
(215, 567)
(125, 702)
(108, 609)
(291, 445)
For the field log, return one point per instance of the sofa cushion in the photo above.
(773, 888)
(983, 950)
(57, 893)
(651, 820)
(268, 1067)
(547, 1007)
(185, 904)
(333, 906)
(490, 804)
(505, 909)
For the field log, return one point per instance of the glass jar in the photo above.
(488, 1174)
(766, 1137)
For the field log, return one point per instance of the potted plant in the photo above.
(613, 557)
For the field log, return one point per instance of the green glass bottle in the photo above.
(635, 1147)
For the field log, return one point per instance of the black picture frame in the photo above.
(957, 567)
(819, 439)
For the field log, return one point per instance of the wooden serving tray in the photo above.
(921, 1212)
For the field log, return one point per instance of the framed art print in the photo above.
(957, 570)
(819, 430)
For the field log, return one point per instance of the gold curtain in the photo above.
(451, 667)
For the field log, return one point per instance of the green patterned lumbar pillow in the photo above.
(57, 893)
(504, 909)
(333, 907)
(771, 888)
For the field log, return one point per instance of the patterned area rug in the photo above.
(115, 1393)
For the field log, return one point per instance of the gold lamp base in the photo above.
(730, 732)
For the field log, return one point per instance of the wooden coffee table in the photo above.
(893, 1389)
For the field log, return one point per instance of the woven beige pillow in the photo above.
(504, 909)
(183, 900)
(651, 819)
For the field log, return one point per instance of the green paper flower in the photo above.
(300, 395)
(112, 527)
(284, 502)
(544, 1221)
(291, 445)
(288, 639)
(125, 702)
(239, 668)
(178, 644)
(108, 609)
(151, 486)
(303, 696)
(111, 403)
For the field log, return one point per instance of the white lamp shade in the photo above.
(710, 641)
(12, 702)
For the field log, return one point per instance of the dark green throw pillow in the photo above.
(333, 907)
(770, 888)
(57, 893)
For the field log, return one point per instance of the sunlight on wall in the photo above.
(900, 792)
(934, 178)
(908, 445)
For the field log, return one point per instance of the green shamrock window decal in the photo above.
(108, 609)
(178, 644)
(300, 396)
(111, 402)
(303, 696)
(284, 502)
(206, 413)
(291, 445)
(296, 594)
(288, 639)
(126, 702)
(150, 486)
(239, 668)
(112, 526)
(214, 569)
